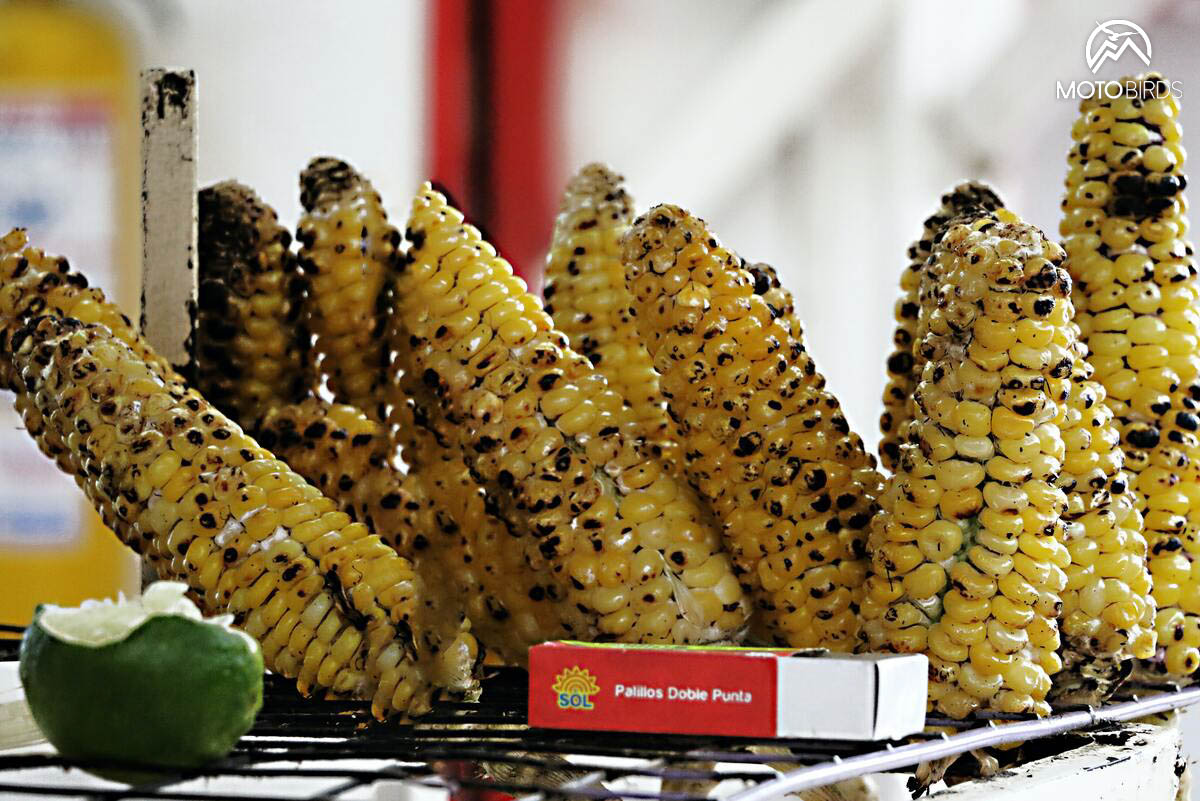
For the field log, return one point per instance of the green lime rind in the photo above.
(175, 694)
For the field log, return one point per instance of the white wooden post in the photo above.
(169, 211)
(169, 214)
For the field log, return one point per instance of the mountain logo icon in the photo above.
(1111, 39)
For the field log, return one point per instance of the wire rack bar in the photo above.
(988, 736)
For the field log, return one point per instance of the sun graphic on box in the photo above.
(575, 687)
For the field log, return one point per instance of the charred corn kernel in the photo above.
(793, 492)
(586, 297)
(1137, 292)
(347, 248)
(1000, 553)
(88, 384)
(251, 349)
(540, 427)
(903, 366)
(461, 552)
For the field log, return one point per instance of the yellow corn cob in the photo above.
(1108, 610)
(347, 250)
(542, 429)
(586, 296)
(463, 554)
(251, 349)
(967, 554)
(332, 606)
(514, 597)
(771, 452)
(33, 283)
(1124, 227)
(904, 371)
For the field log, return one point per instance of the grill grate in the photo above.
(469, 748)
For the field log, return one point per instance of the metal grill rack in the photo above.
(465, 749)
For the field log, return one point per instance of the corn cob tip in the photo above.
(251, 349)
(965, 203)
(903, 365)
(234, 216)
(644, 246)
(231, 194)
(324, 179)
(1139, 187)
(599, 181)
(971, 194)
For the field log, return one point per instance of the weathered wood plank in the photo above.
(169, 211)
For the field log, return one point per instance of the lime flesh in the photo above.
(175, 693)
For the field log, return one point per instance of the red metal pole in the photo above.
(494, 119)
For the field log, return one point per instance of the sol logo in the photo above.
(575, 688)
(1111, 39)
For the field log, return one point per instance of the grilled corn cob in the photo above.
(251, 350)
(464, 555)
(967, 559)
(332, 606)
(1124, 227)
(347, 250)
(1108, 610)
(904, 371)
(544, 433)
(771, 452)
(514, 597)
(33, 283)
(587, 299)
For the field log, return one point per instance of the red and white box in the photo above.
(737, 692)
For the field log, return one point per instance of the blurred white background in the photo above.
(814, 135)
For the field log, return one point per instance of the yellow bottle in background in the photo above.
(68, 173)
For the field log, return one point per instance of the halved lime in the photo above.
(144, 682)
